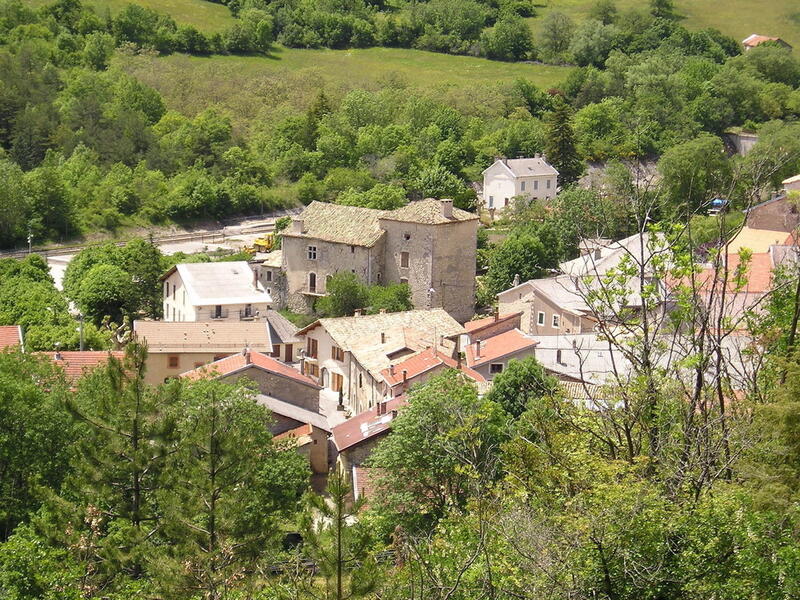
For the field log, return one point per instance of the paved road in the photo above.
(230, 237)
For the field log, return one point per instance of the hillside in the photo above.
(737, 18)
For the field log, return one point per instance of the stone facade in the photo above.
(277, 386)
(434, 252)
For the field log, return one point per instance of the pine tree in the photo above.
(225, 487)
(560, 144)
(337, 543)
(125, 438)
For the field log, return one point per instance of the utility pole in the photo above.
(30, 239)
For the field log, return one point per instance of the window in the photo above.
(337, 353)
(556, 321)
(173, 361)
(404, 260)
(312, 347)
(218, 311)
(269, 276)
(174, 287)
(491, 201)
(336, 382)
(522, 186)
(495, 368)
(312, 282)
(360, 380)
(506, 202)
(312, 253)
(352, 249)
(540, 318)
(548, 183)
(184, 297)
(276, 351)
(558, 357)
(248, 310)
(166, 289)
(535, 185)
(269, 291)
(312, 370)
(173, 313)
(406, 236)
(378, 277)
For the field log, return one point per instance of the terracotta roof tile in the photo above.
(499, 346)
(366, 425)
(424, 361)
(239, 362)
(10, 336)
(75, 364)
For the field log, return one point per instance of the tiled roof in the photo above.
(755, 39)
(215, 337)
(366, 425)
(423, 362)
(372, 338)
(273, 259)
(477, 324)
(77, 363)
(352, 225)
(496, 347)
(428, 212)
(220, 283)
(522, 167)
(239, 362)
(281, 329)
(10, 336)
(758, 275)
(294, 412)
(758, 240)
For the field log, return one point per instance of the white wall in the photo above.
(178, 308)
(500, 186)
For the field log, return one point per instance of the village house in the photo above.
(269, 268)
(77, 363)
(176, 347)
(220, 291)
(417, 369)
(754, 40)
(286, 345)
(490, 356)
(292, 397)
(347, 355)
(429, 245)
(509, 178)
(11, 337)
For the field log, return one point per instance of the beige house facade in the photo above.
(348, 355)
(510, 178)
(429, 245)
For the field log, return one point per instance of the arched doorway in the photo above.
(324, 378)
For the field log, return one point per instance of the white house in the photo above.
(221, 291)
(532, 178)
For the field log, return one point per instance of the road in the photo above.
(230, 237)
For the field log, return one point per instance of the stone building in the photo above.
(430, 245)
(506, 179)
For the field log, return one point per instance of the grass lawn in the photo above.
(255, 87)
(206, 16)
(737, 18)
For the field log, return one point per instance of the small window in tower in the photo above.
(404, 260)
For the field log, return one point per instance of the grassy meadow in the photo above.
(737, 18)
(206, 16)
(248, 86)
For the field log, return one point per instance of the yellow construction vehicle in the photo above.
(264, 243)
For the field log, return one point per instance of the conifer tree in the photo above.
(560, 144)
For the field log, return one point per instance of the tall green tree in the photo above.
(345, 293)
(522, 255)
(522, 382)
(560, 148)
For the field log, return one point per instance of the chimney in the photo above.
(516, 280)
(247, 359)
(496, 315)
(383, 338)
(405, 378)
(298, 226)
(478, 349)
(447, 209)
(357, 312)
(391, 370)
(458, 351)
(255, 276)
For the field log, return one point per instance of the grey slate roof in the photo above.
(281, 329)
(528, 167)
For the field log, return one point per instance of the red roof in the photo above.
(365, 426)
(472, 326)
(755, 39)
(238, 362)
(420, 363)
(77, 363)
(758, 275)
(10, 336)
(499, 346)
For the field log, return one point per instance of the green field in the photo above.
(247, 85)
(737, 18)
(206, 16)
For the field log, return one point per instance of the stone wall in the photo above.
(282, 388)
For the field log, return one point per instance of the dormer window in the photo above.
(312, 253)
